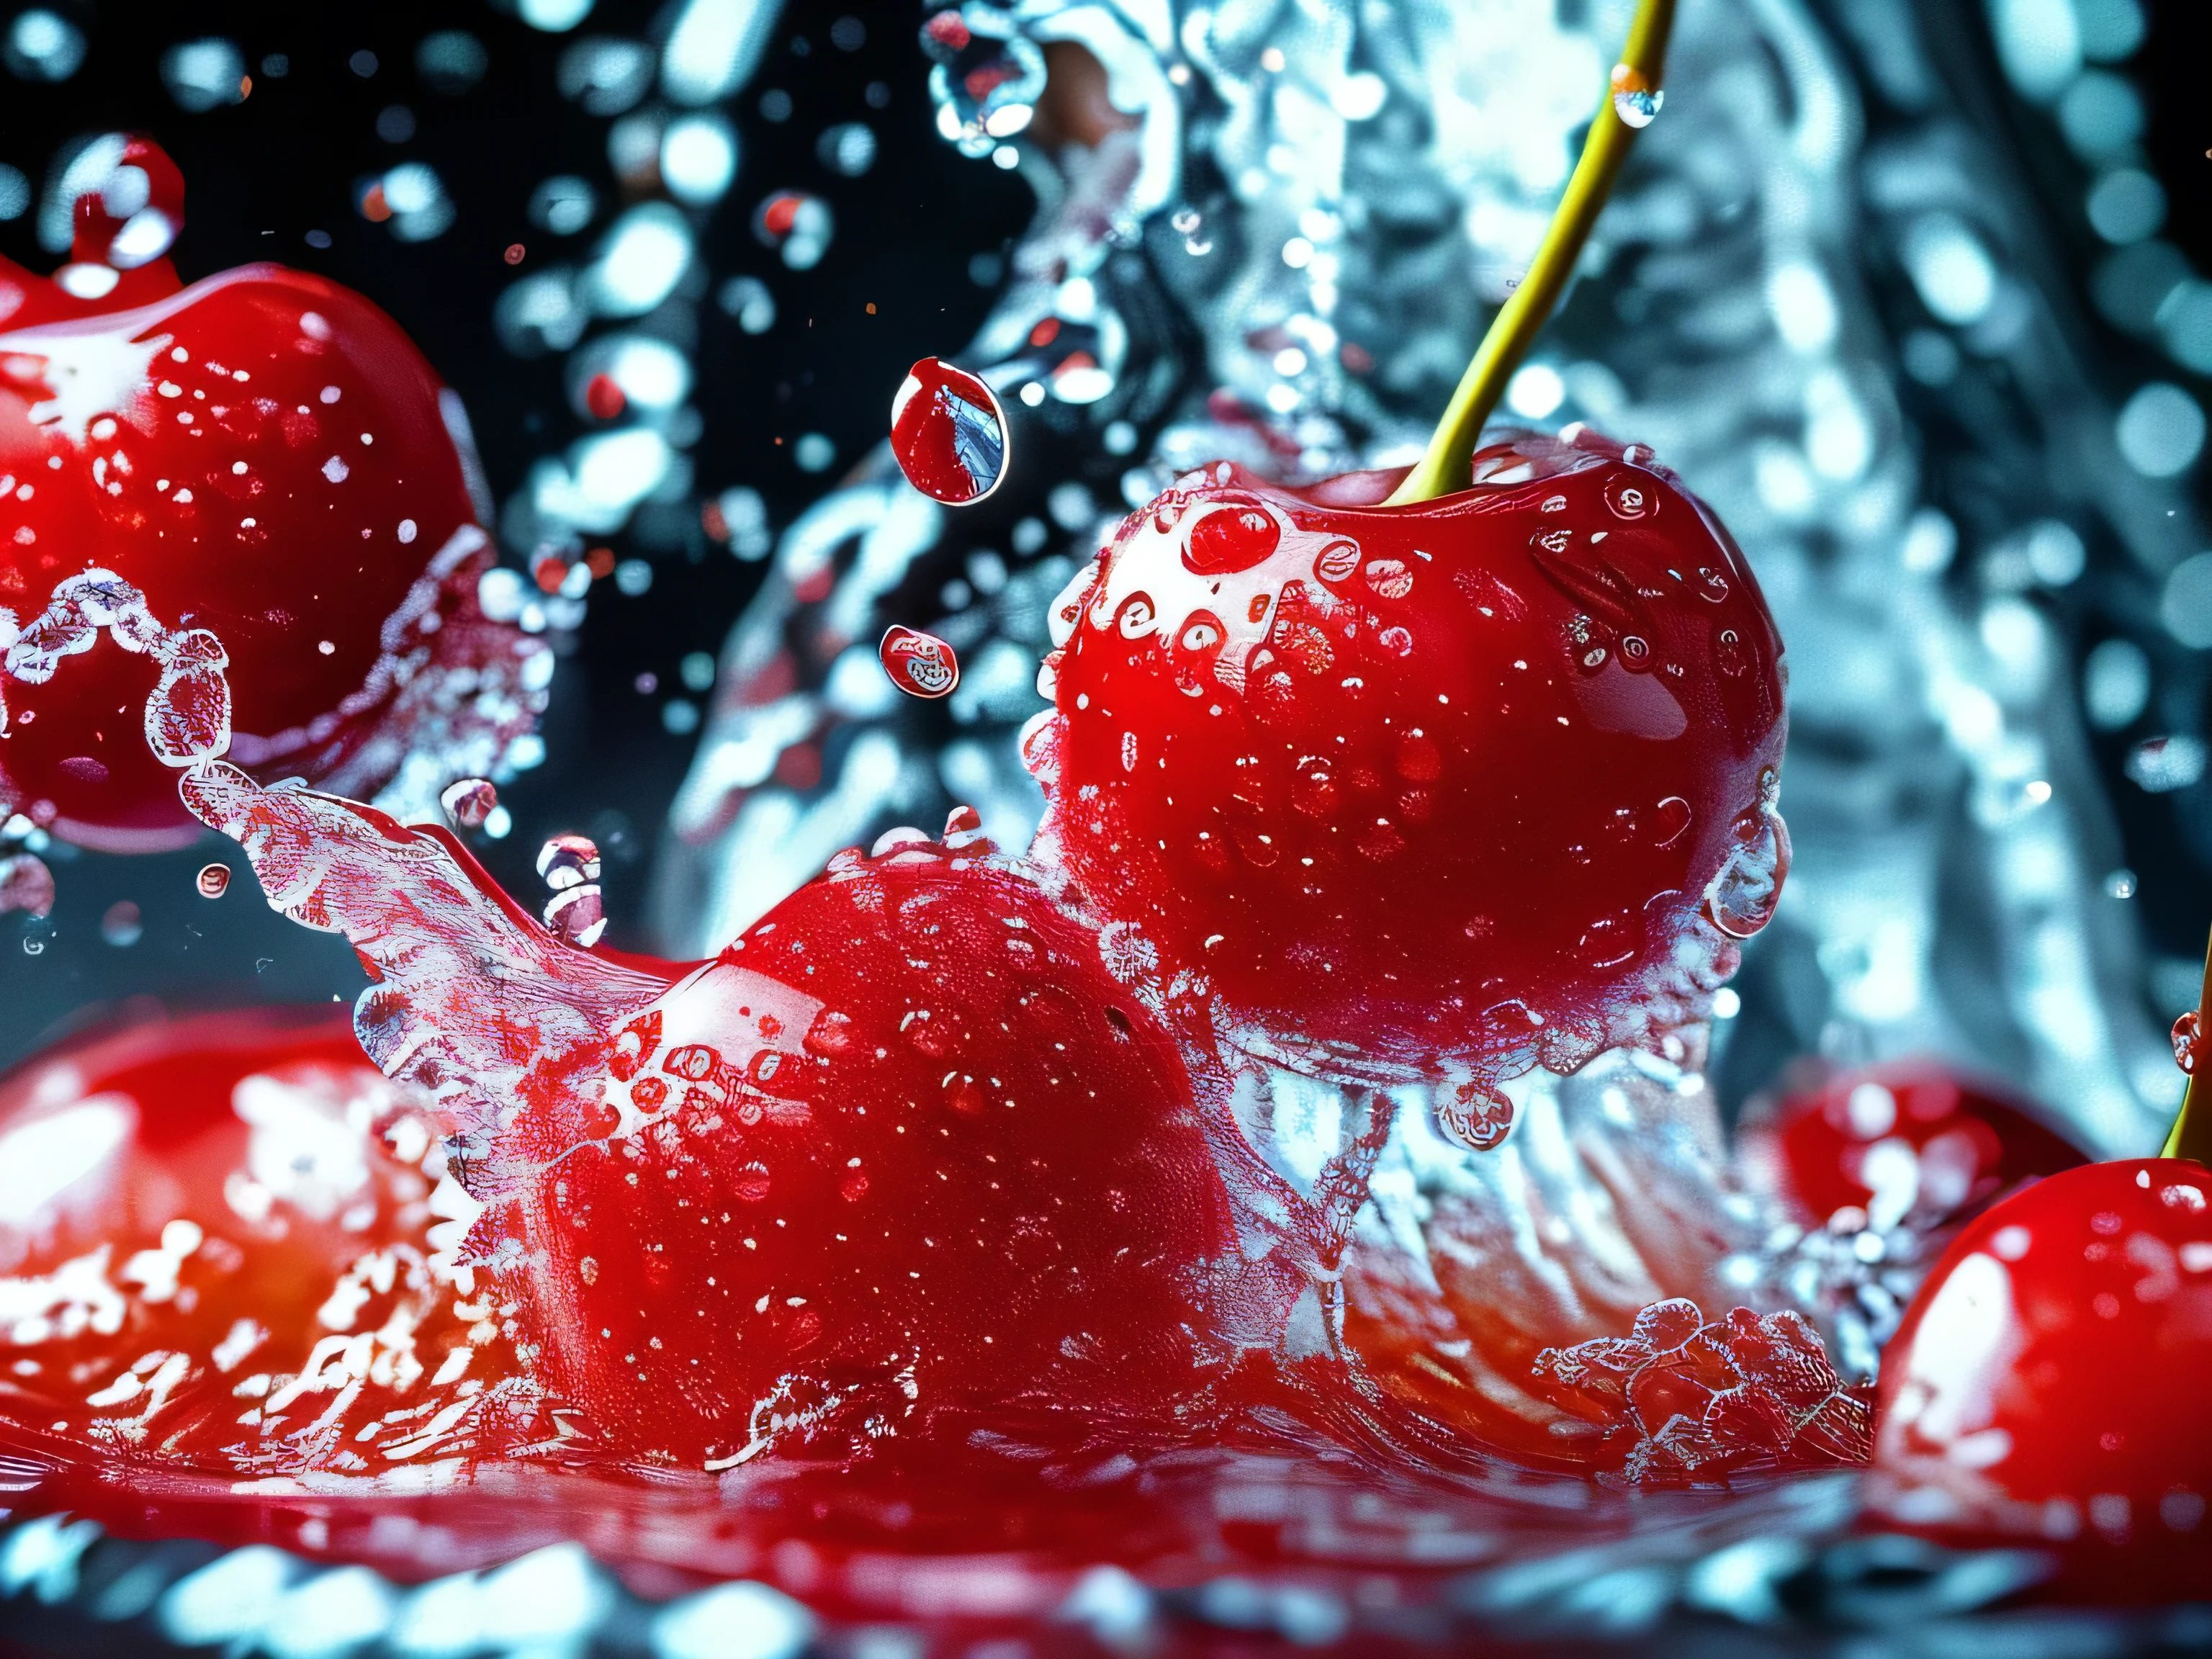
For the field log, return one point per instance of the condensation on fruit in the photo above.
(2186, 1037)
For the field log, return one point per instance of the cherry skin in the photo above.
(902, 1145)
(1910, 1141)
(227, 1245)
(2046, 1387)
(1438, 789)
(264, 455)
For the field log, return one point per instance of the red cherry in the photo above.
(264, 455)
(1422, 791)
(2046, 1387)
(903, 1146)
(1910, 1141)
(228, 1245)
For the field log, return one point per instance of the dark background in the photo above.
(290, 159)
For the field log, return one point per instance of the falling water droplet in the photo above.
(949, 434)
(2184, 1042)
(920, 664)
(121, 926)
(1635, 99)
(213, 880)
(468, 802)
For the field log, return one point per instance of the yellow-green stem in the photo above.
(1443, 467)
(2191, 1134)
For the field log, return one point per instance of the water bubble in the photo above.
(1231, 539)
(467, 802)
(920, 664)
(1390, 579)
(213, 880)
(2184, 1042)
(949, 433)
(1635, 99)
(121, 925)
(26, 885)
(1336, 562)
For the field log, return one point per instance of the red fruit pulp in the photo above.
(2047, 1385)
(1423, 790)
(903, 1146)
(224, 1246)
(264, 455)
(1910, 1141)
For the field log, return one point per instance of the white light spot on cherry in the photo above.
(326, 648)
(406, 530)
(336, 470)
(331, 394)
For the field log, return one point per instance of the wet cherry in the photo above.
(902, 1147)
(2047, 1386)
(949, 433)
(226, 1244)
(1911, 1141)
(1425, 790)
(265, 454)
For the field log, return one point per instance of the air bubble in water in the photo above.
(920, 664)
(2185, 1031)
(213, 880)
(121, 925)
(468, 802)
(1635, 99)
(26, 885)
(949, 433)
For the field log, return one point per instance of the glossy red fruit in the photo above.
(1910, 1141)
(903, 1146)
(264, 455)
(1429, 790)
(2047, 1386)
(226, 1244)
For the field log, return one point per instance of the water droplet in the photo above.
(920, 664)
(1336, 562)
(1630, 497)
(750, 1183)
(578, 914)
(1476, 1116)
(1230, 539)
(797, 225)
(1396, 641)
(120, 924)
(468, 802)
(1611, 940)
(2185, 1034)
(213, 880)
(26, 885)
(1635, 99)
(949, 434)
(1741, 899)
(1668, 819)
(1390, 579)
(1712, 587)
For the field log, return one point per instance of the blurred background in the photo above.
(1919, 295)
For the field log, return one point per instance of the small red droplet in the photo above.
(604, 398)
(949, 434)
(920, 664)
(213, 880)
(514, 252)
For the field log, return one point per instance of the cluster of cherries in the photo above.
(1384, 794)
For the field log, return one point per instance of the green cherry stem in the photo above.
(2191, 1134)
(1444, 466)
